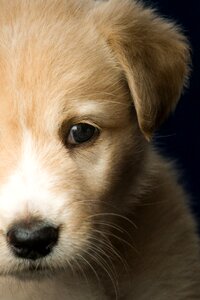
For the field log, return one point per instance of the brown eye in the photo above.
(81, 133)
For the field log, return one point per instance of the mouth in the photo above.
(33, 271)
(32, 275)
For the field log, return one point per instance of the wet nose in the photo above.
(32, 240)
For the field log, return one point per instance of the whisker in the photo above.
(82, 271)
(91, 267)
(114, 226)
(114, 215)
(99, 250)
(122, 241)
(115, 285)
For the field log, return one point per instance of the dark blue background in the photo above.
(179, 137)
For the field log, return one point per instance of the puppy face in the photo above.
(71, 141)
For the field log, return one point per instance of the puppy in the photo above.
(88, 209)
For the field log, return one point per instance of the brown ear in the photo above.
(153, 54)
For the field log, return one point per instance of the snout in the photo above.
(32, 240)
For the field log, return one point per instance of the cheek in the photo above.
(93, 167)
(110, 168)
(102, 163)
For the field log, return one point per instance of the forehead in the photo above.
(52, 61)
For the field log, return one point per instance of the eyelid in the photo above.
(85, 120)
(67, 124)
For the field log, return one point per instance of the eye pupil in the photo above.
(81, 133)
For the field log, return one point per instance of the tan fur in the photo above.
(126, 230)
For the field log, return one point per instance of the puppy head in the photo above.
(72, 143)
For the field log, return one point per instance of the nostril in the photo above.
(32, 240)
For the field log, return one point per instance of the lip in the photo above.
(32, 273)
(31, 270)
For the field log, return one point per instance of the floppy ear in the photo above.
(153, 54)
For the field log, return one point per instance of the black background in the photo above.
(179, 137)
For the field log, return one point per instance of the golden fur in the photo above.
(127, 232)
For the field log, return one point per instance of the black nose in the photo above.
(32, 240)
